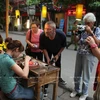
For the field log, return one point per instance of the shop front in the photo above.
(70, 17)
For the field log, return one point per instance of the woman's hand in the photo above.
(88, 30)
(34, 46)
(28, 58)
(90, 40)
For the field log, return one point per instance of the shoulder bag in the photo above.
(28, 48)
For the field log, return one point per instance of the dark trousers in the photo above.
(37, 55)
(57, 64)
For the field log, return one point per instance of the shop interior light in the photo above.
(18, 21)
(17, 13)
(44, 11)
(28, 23)
(79, 11)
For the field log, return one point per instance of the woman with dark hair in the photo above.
(32, 39)
(8, 68)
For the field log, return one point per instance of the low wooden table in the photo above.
(43, 75)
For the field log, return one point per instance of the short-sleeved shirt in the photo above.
(34, 38)
(54, 45)
(7, 81)
(84, 47)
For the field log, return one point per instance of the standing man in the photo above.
(53, 42)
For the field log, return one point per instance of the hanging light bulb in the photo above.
(17, 13)
(28, 23)
(44, 11)
(18, 21)
(79, 10)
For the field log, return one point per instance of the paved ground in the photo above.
(68, 65)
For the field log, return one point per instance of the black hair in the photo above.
(35, 22)
(8, 39)
(15, 44)
(1, 39)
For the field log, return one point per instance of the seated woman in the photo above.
(8, 68)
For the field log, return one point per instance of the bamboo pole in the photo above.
(7, 12)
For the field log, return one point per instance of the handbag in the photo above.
(96, 95)
(28, 48)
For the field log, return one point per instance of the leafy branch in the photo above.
(95, 4)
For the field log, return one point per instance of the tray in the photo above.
(32, 64)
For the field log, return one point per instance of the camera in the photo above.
(81, 28)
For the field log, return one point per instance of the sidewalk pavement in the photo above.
(68, 65)
(63, 93)
(18, 33)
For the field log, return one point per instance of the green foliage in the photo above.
(95, 4)
(32, 2)
(2, 7)
(65, 3)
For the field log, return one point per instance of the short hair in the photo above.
(15, 44)
(89, 17)
(8, 39)
(51, 23)
(36, 23)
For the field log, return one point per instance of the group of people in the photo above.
(50, 42)
(40, 43)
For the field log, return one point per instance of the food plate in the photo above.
(33, 65)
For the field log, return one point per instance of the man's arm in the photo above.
(46, 55)
(59, 53)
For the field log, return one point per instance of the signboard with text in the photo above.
(61, 25)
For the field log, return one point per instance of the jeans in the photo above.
(21, 92)
(83, 70)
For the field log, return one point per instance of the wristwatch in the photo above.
(93, 46)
